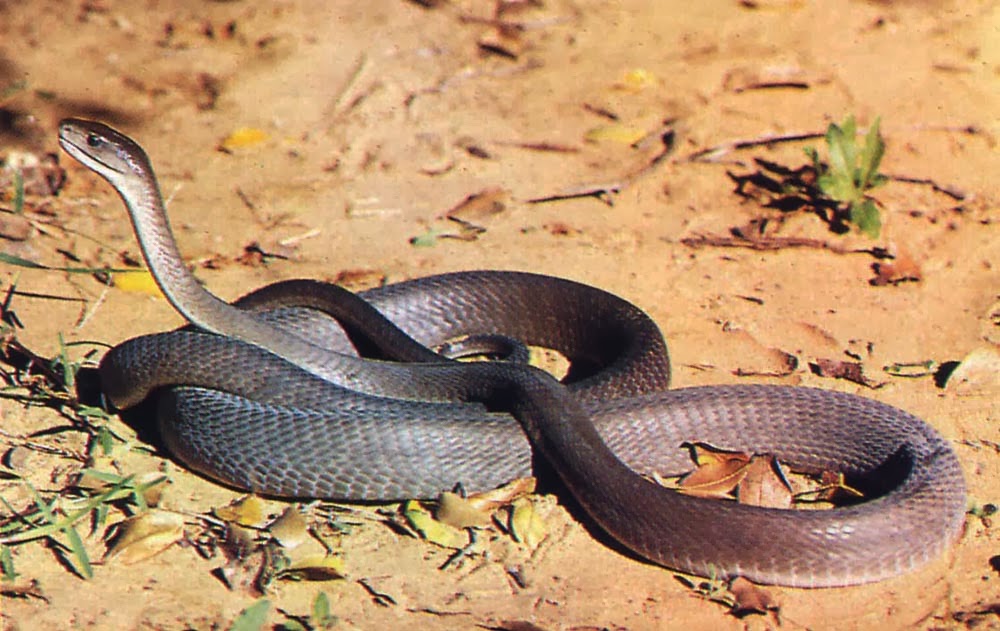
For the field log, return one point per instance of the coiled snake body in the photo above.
(269, 397)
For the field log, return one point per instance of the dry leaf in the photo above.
(421, 520)
(481, 205)
(290, 529)
(526, 524)
(636, 80)
(323, 567)
(750, 598)
(765, 484)
(359, 278)
(849, 371)
(245, 511)
(145, 535)
(139, 281)
(243, 137)
(900, 269)
(457, 511)
(502, 495)
(624, 134)
(718, 471)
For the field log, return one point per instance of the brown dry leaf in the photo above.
(765, 484)
(479, 206)
(290, 528)
(503, 495)
(718, 471)
(750, 598)
(245, 511)
(849, 371)
(145, 535)
(458, 512)
(902, 268)
(359, 278)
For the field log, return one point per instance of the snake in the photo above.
(302, 389)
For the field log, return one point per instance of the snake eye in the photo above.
(93, 140)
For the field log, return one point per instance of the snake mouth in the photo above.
(77, 150)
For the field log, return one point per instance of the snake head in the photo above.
(109, 153)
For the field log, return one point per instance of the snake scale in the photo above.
(270, 396)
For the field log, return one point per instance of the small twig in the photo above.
(711, 154)
(776, 243)
(89, 313)
(953, 193)
(381, 598)
(666, 134)
(336, 109)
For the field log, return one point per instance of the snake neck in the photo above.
(148, 215)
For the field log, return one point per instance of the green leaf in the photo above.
(838, 185)
(838, 181)
(18, 193)
(7, 564)
(813, 156)
(871, 156)
(321, 617)
(865, 216)
(427, 239)
(253, 618)
(16, 260)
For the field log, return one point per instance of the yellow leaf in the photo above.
(140, 281)
(244, 137)
(145, 535)
(526, 524)
(432, 530)
(623, 134)
(637, 79)
(245, 511)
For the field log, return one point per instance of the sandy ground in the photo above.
(381, 116)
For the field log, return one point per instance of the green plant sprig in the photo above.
(851, 173)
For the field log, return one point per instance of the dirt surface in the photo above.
(381, 116)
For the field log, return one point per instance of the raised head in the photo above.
(109, 153)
